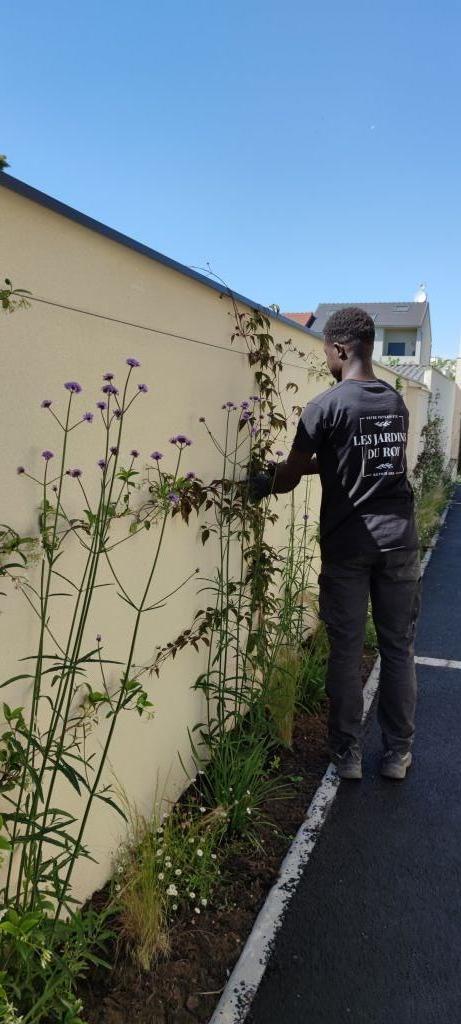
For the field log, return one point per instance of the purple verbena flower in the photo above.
(181, 439)
(113, 450)
(88, 417)
(102, 463)
(98, 638)
(280, 454)
(156, 456)
(109, 389)
(255, 398)
(254, 431)
(244, 405)
(143, 388)
(55, 488)
(47, 455)
(118, 414)
(71, 385)
(305, 517)
(75, 473)
(201, 419)
(101, 405)
(20, 470)
(133, 362)
(108, 376)
(246, 415)
(47, 403)
(174, 498)
(190, 475)
(134, 453)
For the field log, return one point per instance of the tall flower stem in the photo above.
(122, 694)
(45, 585)
(67, 683)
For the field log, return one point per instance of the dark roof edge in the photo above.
(22, 189)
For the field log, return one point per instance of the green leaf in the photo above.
(15, 679)
(96, 697)
(108, 800)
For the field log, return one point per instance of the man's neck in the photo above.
(358, 370)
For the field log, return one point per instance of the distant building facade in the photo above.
(402, 329)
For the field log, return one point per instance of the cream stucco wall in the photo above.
(456, 442)
(416, 399)
(443, 392)
(191, 369)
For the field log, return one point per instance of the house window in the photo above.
(399, 342)
(396, 348)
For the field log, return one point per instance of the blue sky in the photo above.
(308, 152)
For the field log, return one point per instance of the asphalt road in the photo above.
(373, 934)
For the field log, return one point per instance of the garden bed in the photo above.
(185, 987)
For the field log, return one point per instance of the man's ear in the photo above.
(341, 350)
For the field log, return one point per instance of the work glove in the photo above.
(259, 486)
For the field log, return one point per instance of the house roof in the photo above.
(301, 318)
(34, 194)
(411, 371)
(384, 314)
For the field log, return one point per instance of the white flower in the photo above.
(159, 853)
(159, 830)
(203, 810)
(172, 890)
(175, 906)
(248, 810)
(161, 876)
(45, 957)
(204, 902)
(248, 793)
(213, 856)
(192, 840)
(199, 853)
(197, 910)
(192, 895)
(178, 872)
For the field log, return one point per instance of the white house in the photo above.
(402, 329)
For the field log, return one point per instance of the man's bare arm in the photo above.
(288, 474)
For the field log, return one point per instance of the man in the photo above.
(355, 436)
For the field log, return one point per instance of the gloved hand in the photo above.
(259, 486)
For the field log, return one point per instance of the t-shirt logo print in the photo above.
(382, 440)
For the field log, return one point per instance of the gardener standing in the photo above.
(354, 435)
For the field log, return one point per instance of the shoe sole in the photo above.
(396, 772)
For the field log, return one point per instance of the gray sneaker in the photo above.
(348, 763)
(395, 764)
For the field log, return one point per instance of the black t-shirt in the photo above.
(359, 430)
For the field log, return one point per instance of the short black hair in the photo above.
(350, 326)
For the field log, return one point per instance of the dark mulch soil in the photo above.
(185, 988)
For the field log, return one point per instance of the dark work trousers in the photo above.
(391, 579)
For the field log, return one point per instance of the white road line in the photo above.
(245, 979)
(438, 662)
